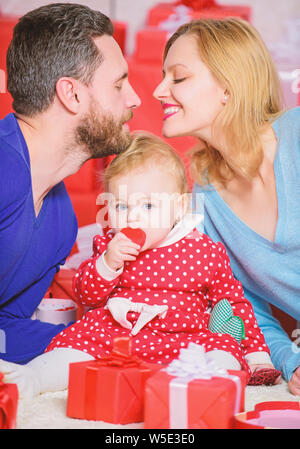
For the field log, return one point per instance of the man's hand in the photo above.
(294, 383)
(119, 250)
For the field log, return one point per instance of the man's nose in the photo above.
(133, 100)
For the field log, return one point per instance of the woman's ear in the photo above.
(67, 93)
(225, 97)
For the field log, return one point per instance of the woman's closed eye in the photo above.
(178, 80)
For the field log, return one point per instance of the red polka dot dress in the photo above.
(189, 276)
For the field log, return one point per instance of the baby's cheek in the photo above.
(155, 236)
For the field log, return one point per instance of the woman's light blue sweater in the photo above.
(269, 271)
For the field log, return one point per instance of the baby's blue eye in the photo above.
(121, 207)
(148, 206)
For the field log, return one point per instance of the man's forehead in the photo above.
(111, 53)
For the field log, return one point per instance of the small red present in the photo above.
(62, 287)
(193, 393)
(8, 404)
(110, 389)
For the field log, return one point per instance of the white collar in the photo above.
(182, 228)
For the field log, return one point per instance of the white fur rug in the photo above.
(48, 410)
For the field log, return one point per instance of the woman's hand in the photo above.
(294, 383)
(119, 250)
(257, 366)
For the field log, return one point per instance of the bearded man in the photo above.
(71, 96)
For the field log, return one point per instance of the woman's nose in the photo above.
(161, 91)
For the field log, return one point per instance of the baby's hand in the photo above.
(119, 307)
(119, 250)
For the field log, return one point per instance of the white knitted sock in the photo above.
(224, 359)
(47, 372)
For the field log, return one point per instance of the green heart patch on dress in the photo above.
(223, 321)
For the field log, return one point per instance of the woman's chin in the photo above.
(168, 133)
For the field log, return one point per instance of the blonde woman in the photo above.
(220, 85)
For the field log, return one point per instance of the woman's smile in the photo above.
(169, 110)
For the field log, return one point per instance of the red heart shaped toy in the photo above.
(136, 235)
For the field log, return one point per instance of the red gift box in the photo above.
(243, 12)
(8, 404)
(173, 401)
(110, 389)
(62, 287)
(159, 13)
(120, 34)
(150, 44)
(196, 9)
(198, 4)
(151, 41)
(6, 30)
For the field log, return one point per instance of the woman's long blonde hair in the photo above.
(239, 60)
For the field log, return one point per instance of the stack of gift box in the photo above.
(163, 20)
(190, 393)
(196, 9)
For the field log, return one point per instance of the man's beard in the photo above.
(102, 136)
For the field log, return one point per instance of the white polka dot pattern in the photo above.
(188, 276)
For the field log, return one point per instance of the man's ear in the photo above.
(67, 92)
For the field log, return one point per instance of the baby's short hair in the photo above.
(146, 148)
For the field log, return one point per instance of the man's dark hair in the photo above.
(48, 43)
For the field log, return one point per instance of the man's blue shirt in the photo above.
(32, 248)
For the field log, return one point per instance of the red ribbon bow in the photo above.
(120, 355)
